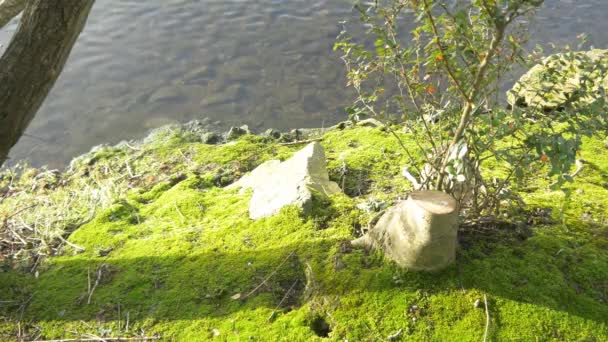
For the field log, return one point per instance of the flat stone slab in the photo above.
(277, 184)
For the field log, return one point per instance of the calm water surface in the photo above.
(267, 63)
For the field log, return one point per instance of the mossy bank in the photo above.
(158, 248)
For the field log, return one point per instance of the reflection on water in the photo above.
(266, 63)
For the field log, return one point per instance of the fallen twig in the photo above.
(132, 147)
(579, 167)
(71, 244)
(268, 277)
(299, 142)
(485, 335)
(395, 335)
(180, 213)
(129, 170)
(19, 212)
(282, 300)
(92, 289)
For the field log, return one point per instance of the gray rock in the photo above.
(371, 122)
(277, 184)
(272, 133)
(237, 132)
(211, 138)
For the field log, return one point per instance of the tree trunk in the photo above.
(33, 60)
(418, 233)
(9, 9)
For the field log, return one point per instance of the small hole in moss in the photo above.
(320, 326)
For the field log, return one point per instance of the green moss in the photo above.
(178, 256)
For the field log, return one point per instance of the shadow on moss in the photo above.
(217, 284)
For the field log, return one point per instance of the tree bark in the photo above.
(9, 9)
(33, 60)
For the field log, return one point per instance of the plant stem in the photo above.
(466, 116)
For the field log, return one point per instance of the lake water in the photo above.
(266, 63)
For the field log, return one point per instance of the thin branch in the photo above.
(282, 300)
(71, 244)
(437, 40)
(468, 109)
(268, 277)
(99, 274)
(180, 213)
(485, 335)
(299, 142)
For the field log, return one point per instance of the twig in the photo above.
(132, 147)
(99, 274)
(268, 277)
(282, 300)
(180, 213)
(579, 167)
(299, 142)
(89, 219)
(19, 212)
(71, 244)
(129, 170)
(485, 335)
(406, 173)
(395, 335)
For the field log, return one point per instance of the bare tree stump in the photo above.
(418, 233)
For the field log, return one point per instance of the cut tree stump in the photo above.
(419, 233)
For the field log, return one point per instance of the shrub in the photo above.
(441, 80)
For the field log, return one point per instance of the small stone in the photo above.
(342, 125)
(211, 138)
(587, 217)
(371, 122)
(236, 296)
(105, 252)
(237, 132)
(272, 133)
